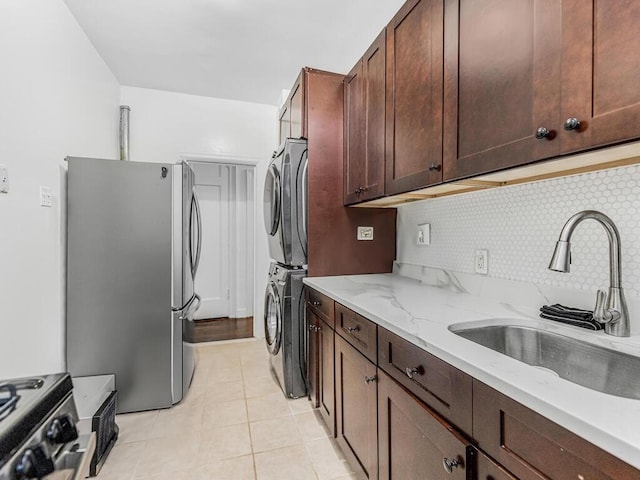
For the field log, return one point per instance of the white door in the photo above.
(212, 279)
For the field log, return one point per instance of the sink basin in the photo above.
(592, 366)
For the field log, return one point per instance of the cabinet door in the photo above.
(285, 123)
(364, 97)
(297, 110)
(326, 377)
(354, 135)
(414, 96)
(356, 419)
(600, 72)
(533, 447)
(489, 470)
(502, 73)
(415, 443)
(313, 360)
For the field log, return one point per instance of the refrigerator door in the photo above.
(187, 245)
(119, 277)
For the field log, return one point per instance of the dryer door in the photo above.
(272, 319)
(272, 200)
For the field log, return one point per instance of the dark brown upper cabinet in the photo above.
(364, 110)
(502, 68)
(532, 80)
(414, 96)
(600, 73)
(285, 124)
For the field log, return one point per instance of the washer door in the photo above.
(272, 319)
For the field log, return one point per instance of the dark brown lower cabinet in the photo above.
(489, 470)
(533, 448)
(356, 403)
(321, 368)
(414, 442)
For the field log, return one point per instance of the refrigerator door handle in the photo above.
(199, 221)
(192, 307)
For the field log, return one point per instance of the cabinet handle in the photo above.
(435, 168)
(315, 328)
(316, 303)
(353, 329)
(419, 370)
(449, 465)
(571, 124)
(358, 191)
(369, 379)
(544, 132)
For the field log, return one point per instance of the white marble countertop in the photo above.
(422, 314)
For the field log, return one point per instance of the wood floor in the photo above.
(213, 329)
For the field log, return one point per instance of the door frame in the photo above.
(260, 272)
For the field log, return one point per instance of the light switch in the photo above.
(46, 198)
(424, 234)
(4, 179)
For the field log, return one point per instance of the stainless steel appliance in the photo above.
(38, 435)
(284, 328)
(285, 203)
(133, 247)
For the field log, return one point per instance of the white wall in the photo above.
(166, 126)
(58, 98)
(519, 226)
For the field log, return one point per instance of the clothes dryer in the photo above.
(285, 203)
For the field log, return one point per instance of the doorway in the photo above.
(226, 193)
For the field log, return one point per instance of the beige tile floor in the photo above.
(234, 423)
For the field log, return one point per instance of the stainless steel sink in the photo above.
(592, 366)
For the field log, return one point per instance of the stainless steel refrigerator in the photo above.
(133, 247)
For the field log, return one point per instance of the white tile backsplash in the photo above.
(520, 224)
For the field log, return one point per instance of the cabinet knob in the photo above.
(544, 132)
(353, 329)
(316, 303)
(369, 379)
(435, 168)
(449, 465)
(571, 124)
(358, 190)
(419, 370)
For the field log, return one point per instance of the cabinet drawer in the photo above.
(357, 330)
(444, 388)
(533, 447)
(321, 305)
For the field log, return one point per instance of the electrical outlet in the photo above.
(481, 262)
(365, 233)
(424, 234)
(4, 179)
(46, 198)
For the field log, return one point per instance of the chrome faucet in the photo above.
(611, 308)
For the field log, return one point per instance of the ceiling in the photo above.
(247, 50)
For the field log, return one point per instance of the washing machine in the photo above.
(285, 203)
(284, 328)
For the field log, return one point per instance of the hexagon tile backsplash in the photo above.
(520, 224)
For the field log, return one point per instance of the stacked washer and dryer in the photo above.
(285, 217)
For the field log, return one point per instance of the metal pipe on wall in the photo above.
(124, 132)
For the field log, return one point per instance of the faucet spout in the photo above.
(612, 309)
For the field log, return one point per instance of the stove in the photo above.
(38, 435)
